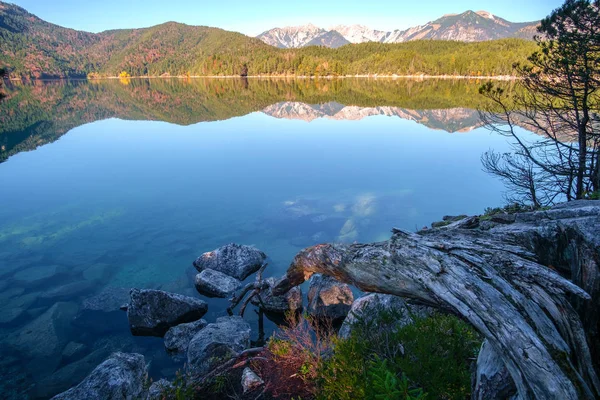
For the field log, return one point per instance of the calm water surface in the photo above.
(112, 185)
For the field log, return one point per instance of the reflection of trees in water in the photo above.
(38, 113)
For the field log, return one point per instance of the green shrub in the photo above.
(430, 358)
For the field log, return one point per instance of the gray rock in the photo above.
(233, 259)
(100, 312)
(43, 339)
(177, 338)
(217, 343)
(158, 388)
(291, 301)
(250, 380)
(68, 290)
(328, 298)
(12, 309)
(121, 376)
(39, 274)
(369, 306)
(68, 375)
(73, 351)
(216, 284)
(492, 380)
(153, 312)
(109, 299)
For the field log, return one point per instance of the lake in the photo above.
(110, 185)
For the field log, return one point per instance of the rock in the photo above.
(15, 307)
(36, 275)
(291, 301)
(73, 351)
(217, 343)
(68, 375)
(68, 291)
(42, 340)
(98, 272)
(369, 306)
(492, 380)
(238, 261)
(157, 389)
(178, 337)
(216, 284)
(153, 312)
(100, 313)
(250, 380)
(328, 298)
(121, 376)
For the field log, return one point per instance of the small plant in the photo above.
(387, 386)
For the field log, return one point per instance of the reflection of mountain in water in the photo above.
(450, 120)
(35, 114)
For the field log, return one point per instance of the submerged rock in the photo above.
(39, 274)
(238, 261)
(177, 338)
(368, 308)
(153, 312)
(328, 298)
(73, 351)
(68, 290)
(100, 313)
(291, 301)
(42, 340)
(217, 343)
(250, 380)
(216, 284)
(121, 376)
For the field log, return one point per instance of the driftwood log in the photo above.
(529, 283)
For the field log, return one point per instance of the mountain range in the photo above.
(470, 26)
(31, 48)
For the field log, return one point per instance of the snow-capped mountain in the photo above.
(469, 26)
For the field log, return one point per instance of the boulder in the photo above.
(100, 313)
(73, 351)
(369, 306)
(291, 301)
(250, 380)
(33, 276)
(238, 261)
(68, 290)
(12, 309)
(158, 388)
(216, 284)
(153, 312)
(177, 338)
(43, 339)
(217, 343)
(328, 298)
(121, 376)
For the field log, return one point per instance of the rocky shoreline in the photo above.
(207, 347)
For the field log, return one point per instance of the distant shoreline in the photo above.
(374, 76)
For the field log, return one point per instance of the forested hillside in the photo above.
(32, 48)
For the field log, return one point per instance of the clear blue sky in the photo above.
(253, 17)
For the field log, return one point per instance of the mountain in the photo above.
(469, 26)
(292, 36)
(31, 48)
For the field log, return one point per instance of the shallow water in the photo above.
(113, 185)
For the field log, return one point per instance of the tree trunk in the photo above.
(489, 273)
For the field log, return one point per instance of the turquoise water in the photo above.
(124, 202)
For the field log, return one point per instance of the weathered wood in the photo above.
(492, 277)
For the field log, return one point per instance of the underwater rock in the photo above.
(217, 343)
(178, 337)
(291, 301)
(98, 272)
(100, 312)
(68, 291)
(216, 284)
(121, 376)
(73, 351)
(369, 306)
(328, 298)
(43, 339)
(15, 307)
(250, 380)
(33, 276)
(238, 261)
(153, 312)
